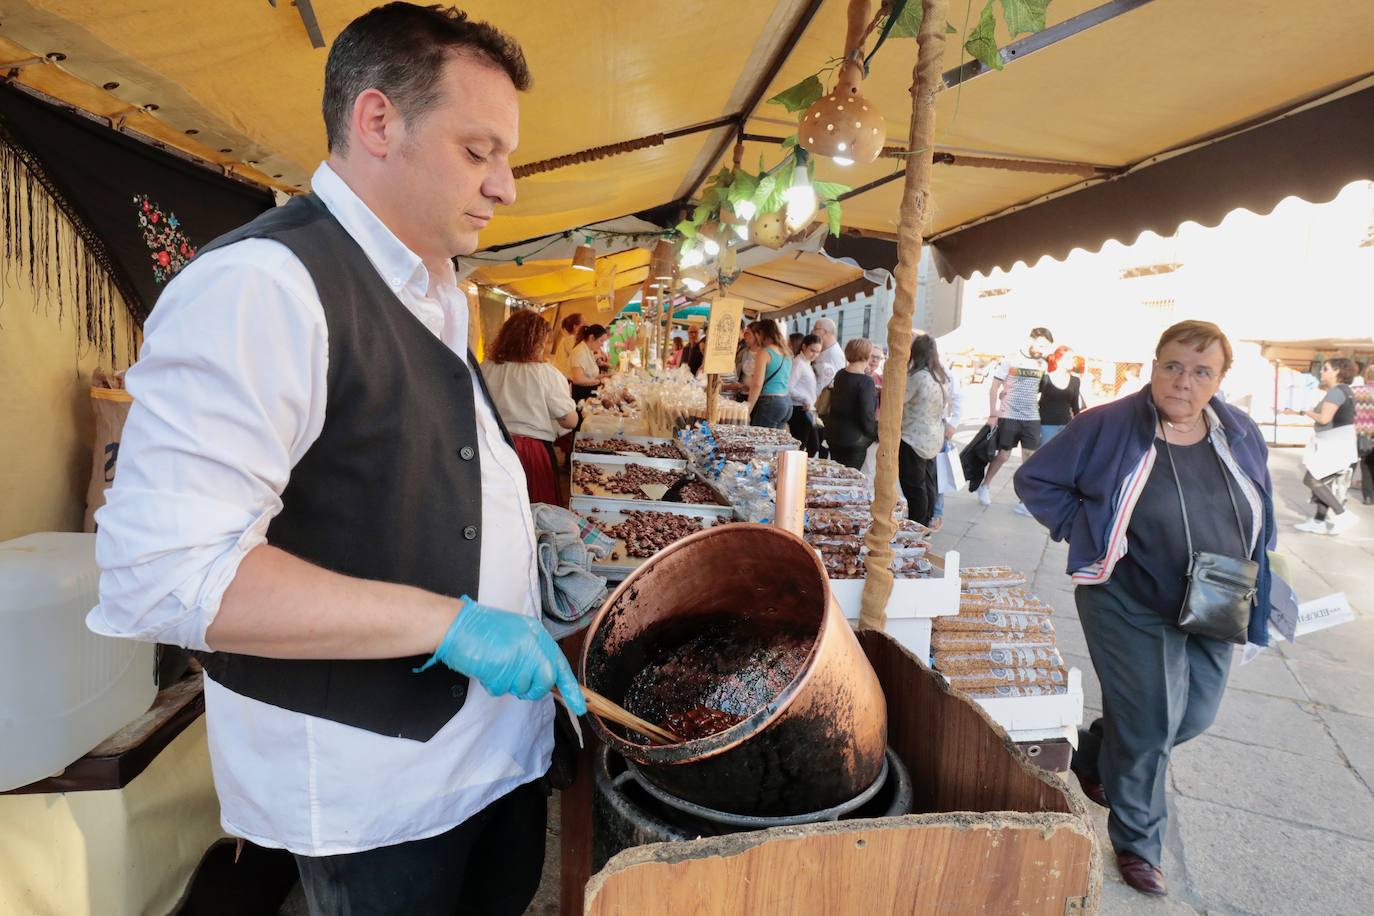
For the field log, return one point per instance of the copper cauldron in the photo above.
(818, 743)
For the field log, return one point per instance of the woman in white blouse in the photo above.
(532, 397)
(923, 428)
(585, 373)
(802, 388)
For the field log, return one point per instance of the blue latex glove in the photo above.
(506, 653)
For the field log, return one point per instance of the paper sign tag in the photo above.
(722, 335)
(1322, 613)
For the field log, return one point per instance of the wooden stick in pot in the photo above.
(608, 710)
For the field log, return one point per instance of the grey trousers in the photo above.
(1160, 687)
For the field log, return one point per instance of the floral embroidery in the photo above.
(167, 244)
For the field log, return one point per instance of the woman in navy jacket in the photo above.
(1106, 485)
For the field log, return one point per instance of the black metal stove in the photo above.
(630, 811)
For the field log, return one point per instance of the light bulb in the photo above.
(693, 284)
(710, 246)
(841, 160)
(801, 200)
(692, 258)
(745, 210)
(742, 229)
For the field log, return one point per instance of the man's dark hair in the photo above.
(1042, 332)
(400, 49)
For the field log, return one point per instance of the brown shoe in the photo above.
(1093, 790)
(1141, 875)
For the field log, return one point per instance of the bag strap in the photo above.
(773, 374)
(1225, 475)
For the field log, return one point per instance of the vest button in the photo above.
(456, 691)
(466, 453)
(470, 532)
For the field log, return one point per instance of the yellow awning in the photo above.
(1160, 75)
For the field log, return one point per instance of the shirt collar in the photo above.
(398, 265)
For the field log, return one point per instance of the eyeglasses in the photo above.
(1172, 370)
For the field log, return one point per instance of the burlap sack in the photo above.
(111, 407)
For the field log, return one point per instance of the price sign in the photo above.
(722, 336)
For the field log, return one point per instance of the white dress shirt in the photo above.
(229, 394)
(530, 397)
(802, 385)
(827, 364)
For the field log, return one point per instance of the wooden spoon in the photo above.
(608, 710)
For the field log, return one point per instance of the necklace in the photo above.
(1183, 429)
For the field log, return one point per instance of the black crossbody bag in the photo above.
(1221, 589)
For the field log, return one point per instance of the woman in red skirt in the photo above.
(532, 397)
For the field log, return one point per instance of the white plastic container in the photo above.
(63, 689)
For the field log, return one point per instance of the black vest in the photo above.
(391, 490)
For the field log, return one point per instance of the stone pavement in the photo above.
(1272, 810)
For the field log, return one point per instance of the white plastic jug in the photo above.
(63, 689)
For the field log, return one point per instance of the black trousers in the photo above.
(488, 865)
(804, 431)
(1322, 495)
(1367, 478)
(917, 478)
(851, 456)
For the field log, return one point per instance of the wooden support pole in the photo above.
(713, 398)
(910, 237)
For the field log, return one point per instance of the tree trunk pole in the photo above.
(910, 237)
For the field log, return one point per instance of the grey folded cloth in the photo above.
(569, 588)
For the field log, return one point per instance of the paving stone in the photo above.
(1345, 644)
(1121, 900)
(1354, 735)
(1253, 718)
(1344, 687)
(1267, 673)
(1256, 864)
(1318, 793)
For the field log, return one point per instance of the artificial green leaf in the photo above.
(982, 41)
(764, 192)
(701, 213)
(743, 187)
(801, 96)
(950, 30)
(783, 181)
(832, 213)
(908, 21)
(789, 142)
(829, 190)
(1024, 15)
(688, 229)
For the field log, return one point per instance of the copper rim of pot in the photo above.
(722, 741)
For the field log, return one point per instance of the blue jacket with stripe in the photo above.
(1082, 485)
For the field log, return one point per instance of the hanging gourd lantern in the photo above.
(767, 230)
(844, 125)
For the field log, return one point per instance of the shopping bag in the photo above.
(1330, 452)
(111, 407)
(949, 474)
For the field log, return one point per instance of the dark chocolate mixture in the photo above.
(725, 673)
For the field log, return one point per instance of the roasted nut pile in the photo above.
(628, 481)
(646, 532)
(647, 449)
(698, 493)
(585, 476)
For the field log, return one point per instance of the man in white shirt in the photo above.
(317, 488)
(832, 358)
(825, 366)
(1014, 406)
